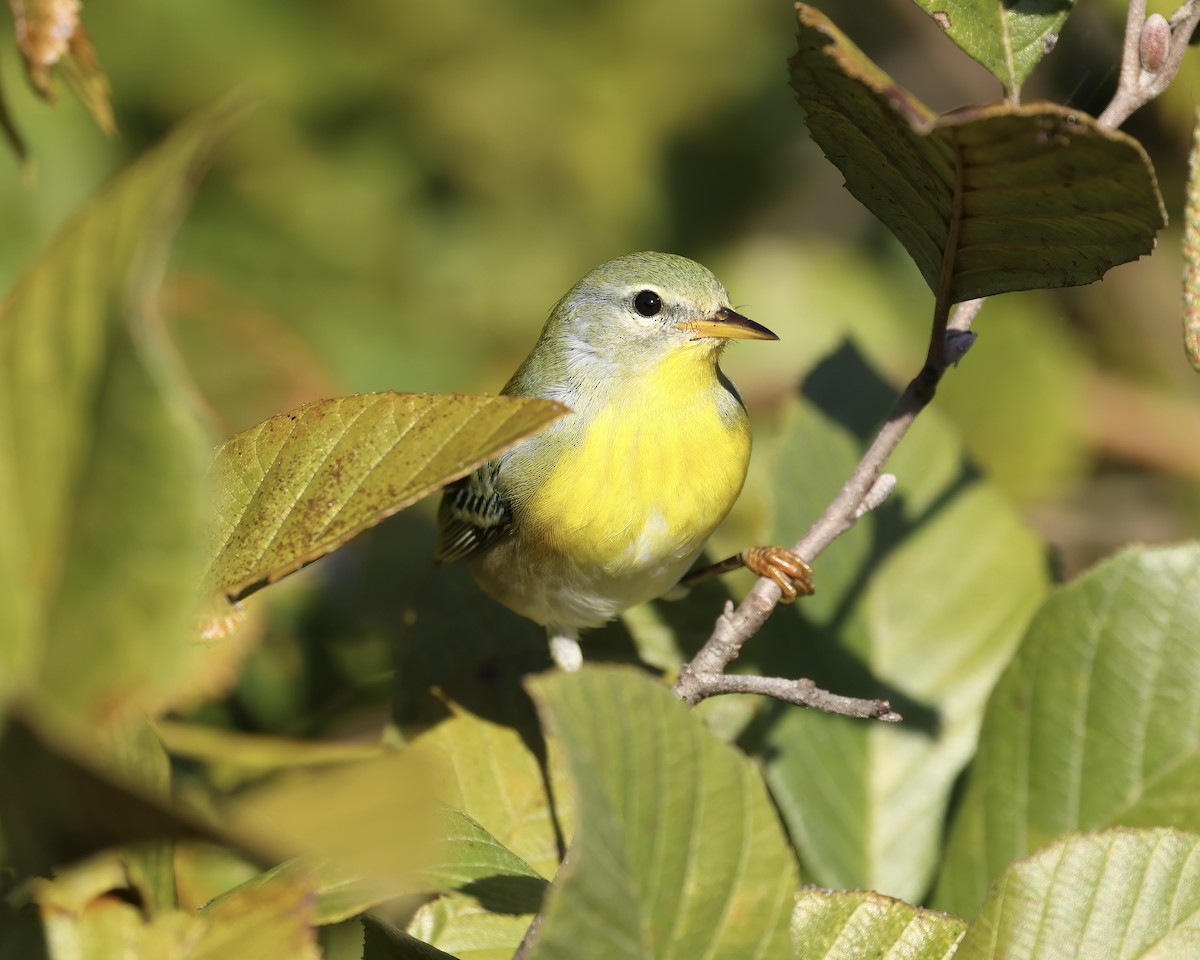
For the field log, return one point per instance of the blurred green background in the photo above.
(419, 183)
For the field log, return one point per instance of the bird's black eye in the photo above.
(647, 303)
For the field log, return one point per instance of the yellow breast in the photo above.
(652, 474)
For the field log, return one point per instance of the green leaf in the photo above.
(1096, 723)
(299, 485)
(837, 925)
(923, 603)
(496, 782)
(985, 199)
(1009, 37)
(1121, 893)
(471, 859)
(101, 462)
(678, 851)
(505, 840)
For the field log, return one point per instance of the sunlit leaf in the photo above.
(299, 485)
(984, 199)
(1009, 37)
(472, 859)
(496, 781)
(101, 461)
(1121, 893)
(848, 925)
(922, 602)
(1096, 722)
(678, 850)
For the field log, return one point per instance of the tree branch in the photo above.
(1153, 50)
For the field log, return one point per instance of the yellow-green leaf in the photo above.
(848, 925)
(299, 485)
(1121, 893)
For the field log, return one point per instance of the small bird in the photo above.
(610, 506)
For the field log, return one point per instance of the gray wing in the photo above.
(472, 515)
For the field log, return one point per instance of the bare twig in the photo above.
(803, 693)
(1153, 50)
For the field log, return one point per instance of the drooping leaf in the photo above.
(678, 851)
(1191, 254)
(922, 602)
(1009, 37)
(1095, 723)
(848, 925)
(1121, 893)
(101, 461)
(986, 199)
(299, 485)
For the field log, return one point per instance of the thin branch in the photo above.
(803, 693)
(1152, 53)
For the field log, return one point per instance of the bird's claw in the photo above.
(787, 570)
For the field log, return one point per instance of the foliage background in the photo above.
(419, 183)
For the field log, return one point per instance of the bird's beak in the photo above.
(727, 324)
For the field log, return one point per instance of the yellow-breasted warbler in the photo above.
(610, 506)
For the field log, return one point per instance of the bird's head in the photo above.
(633, 310)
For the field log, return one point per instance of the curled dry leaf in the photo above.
(50, 33)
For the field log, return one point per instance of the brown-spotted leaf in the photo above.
(299, 485)
(985, 200)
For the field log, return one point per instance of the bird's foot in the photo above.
(565, 651)
(789, 571)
